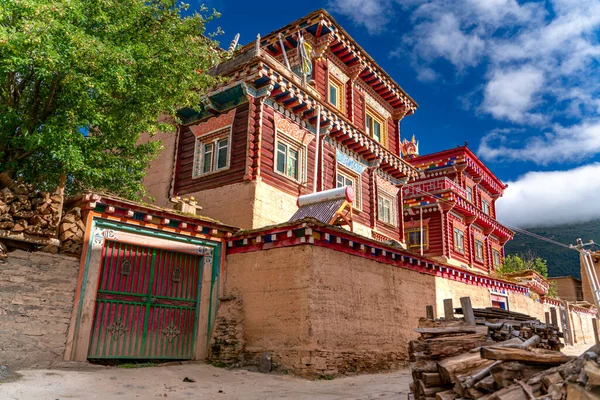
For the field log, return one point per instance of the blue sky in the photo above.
(518, 80)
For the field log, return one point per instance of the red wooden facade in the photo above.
(456, 193)
(358, 108)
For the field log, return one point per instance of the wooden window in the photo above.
(499, 301)
(386, 208)
(495, 258)
(459, 240)
(288, 159)
(375, 126)
(346, 178)
(470, 193)
(485, 206)
(211, 153)
(336, 93)
(479, 256)
(413, 238)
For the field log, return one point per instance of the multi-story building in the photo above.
(306, 109)
(450, 210)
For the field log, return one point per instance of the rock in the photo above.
(186, 379)
(4, 373)
(265, 363)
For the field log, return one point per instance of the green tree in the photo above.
(80, 80)
(523, 262)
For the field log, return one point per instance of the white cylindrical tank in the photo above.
(346, 192)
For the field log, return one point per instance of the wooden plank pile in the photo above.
(24, 210)
(468, 359)
(504, 325)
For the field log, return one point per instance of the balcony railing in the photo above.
(433, 186)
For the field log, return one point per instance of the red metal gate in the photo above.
(146, 304)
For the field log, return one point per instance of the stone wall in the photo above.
(36, 299)
(227, 341)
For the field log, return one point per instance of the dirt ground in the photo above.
(166, 382)
(90, 382)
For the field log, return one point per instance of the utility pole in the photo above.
(586, 257)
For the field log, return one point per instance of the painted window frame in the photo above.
(496, 259)
(417, 245)
(458, 240)
(486, 207)
(212, 138)
(289, 142)
(393, 211)
(476, 250)
(469, 191)
(502, 295)
(375, 116)
(339, 86)
(350, 175)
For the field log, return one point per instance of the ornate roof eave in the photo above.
(353, 54)
(294, 98)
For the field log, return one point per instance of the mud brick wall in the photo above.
(36, 300)
(323, 312)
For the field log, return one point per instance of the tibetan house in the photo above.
(279, 128)
(450, 210)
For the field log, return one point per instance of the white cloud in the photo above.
(510, 94)
(444, 38)
(559, 144)
(552, 198)
(372, 14)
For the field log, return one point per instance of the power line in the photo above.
(519, 230)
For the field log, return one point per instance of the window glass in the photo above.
(222, 146)
(281, 157)
(470, 193)
(485, 207)
(207, 157)
(369, 124)
(376, 130)
(293, 163)
(414, 237)
(385, 209)
(459, 240)
(333, 94)
(478, 250)
(496, 258)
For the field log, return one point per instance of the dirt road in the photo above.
(166, 382)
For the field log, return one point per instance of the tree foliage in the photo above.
(524, 262)
(81, 80)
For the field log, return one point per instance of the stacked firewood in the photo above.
(442, 340)
(24, 210)
(71, 231)
(454, 359)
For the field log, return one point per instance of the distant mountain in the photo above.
(561, 261)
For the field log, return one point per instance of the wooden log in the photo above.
(449, 330)
(576, 392)
(536, 356)
(550, 379)
(448, 310)
(463, 364)
(487, 384)
(467, 310)
(429, 312)
(446, 395)
(431, 379)
(592, 370)
(429, 391)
